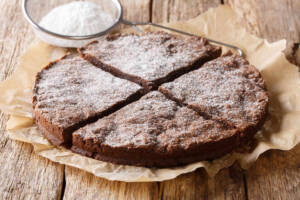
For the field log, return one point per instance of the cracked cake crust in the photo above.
(200, 112)
(226, 89)
(153, 57)
(71, 92)
(155, 132)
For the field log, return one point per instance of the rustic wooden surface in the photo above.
(175, 10)
(276, 175)
(23, 174)
(274, 20)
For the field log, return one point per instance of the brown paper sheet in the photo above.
(281, 131)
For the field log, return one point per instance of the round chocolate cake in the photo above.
(154, 100)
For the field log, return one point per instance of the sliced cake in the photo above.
(155, 132)
(71, 92)
(225, 89)
(150, 58)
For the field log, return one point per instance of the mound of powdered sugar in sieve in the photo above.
(78, 18)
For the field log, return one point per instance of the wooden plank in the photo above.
(276, 174)
(274, 20)
(136, 11)
(82, 185)
(188, 186)
(26, 175)
(175, 10)
(227, 184)
(23, 174)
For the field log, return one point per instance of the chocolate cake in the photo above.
(71, 92)
(226, 89)
(155, 132)
(105, 104)
(150, 58)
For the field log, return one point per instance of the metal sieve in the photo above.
(112, 7)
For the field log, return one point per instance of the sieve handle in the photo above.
(135, 24)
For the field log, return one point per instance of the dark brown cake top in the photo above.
(226, 88)
(152, 55)
(155, 123)
(71, 90)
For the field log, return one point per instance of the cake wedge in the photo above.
(71, 92)
(150, 58)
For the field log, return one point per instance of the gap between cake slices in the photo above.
(150, 58)
(70, 93)
(227, 89)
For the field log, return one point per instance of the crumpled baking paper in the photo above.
(281, 131)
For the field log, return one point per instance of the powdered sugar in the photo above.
(73, 90)
(225, 88)
(153, 122)
(150, 56)
(77, 18)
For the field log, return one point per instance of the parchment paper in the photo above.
(281, 131)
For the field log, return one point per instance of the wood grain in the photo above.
(136, 11)
(23, 174)
(82, 185)
(132, 10)
(227, 184)
(175, 10)
(276, 175)
(274, 20)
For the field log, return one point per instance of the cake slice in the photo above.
(226, 89)
(155, 132)
(71, 92)
(151, 58)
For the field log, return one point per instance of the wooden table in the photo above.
(276, 175)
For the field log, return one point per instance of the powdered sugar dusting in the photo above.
(226, 88)
(73, 90)
(151, 55)
(153, 121)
